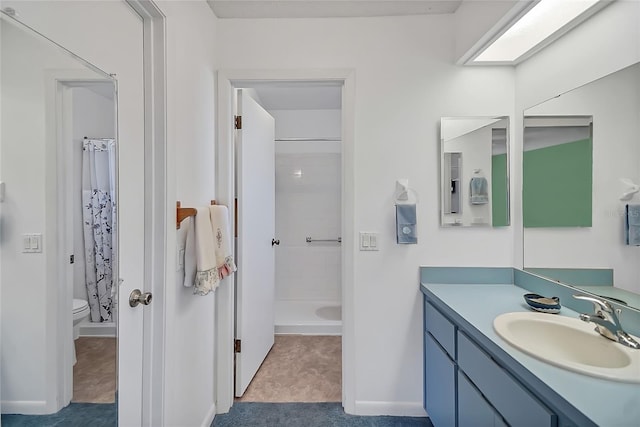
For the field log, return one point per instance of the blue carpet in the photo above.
(241, 415)
(74, 415)
(250, 414)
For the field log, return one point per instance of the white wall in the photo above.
(307, 123)
(474, 18)
(607, 42)
(404, 83)
(93, 117)
(189, 351)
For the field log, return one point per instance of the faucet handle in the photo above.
(598, 303)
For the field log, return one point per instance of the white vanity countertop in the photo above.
(606, 403)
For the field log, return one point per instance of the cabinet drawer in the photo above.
(516, 404)
(441, 329)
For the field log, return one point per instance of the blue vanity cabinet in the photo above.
(465, 387)
(439, 367)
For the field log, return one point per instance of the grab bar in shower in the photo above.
(311, 240)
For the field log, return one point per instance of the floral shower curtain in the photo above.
(99, 215)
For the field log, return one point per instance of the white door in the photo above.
(255, 291)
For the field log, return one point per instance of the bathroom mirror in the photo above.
(591, 252)
(474, 171)
(58, 219)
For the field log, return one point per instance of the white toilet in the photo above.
(80, 312)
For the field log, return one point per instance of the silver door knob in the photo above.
(137, 297)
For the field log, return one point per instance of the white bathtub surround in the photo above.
(308, 317)
(308, 204)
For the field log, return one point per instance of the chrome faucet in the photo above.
(607, 321)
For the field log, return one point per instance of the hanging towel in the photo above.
(479, 190)
(406, 224)
(222, 235)
(189, 261)
(207, 277)
(632, 225)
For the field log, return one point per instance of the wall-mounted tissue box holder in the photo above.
(405, 194)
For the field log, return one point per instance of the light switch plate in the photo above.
(32, 243)
(368, 241)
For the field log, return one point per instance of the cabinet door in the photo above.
(440, 379)
(473, 409)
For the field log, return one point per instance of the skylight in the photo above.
(545, 22)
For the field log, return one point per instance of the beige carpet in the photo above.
(94, 375)
(299, 368)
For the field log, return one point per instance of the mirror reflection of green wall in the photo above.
(557, 171)
(474, 171)
(499, 190)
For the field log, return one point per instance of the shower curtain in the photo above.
(99, 216)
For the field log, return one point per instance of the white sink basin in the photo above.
(569, 343)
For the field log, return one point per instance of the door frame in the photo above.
(158, 232)
(58, 93)
(228, 81)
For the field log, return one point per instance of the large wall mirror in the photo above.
(474, 171)
(58, 246)
(581, 157)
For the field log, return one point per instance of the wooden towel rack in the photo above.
(184, 213)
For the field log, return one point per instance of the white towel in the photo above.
(189, 261)
(222, 234)
(207, 276)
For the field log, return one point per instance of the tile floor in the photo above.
(94, 375)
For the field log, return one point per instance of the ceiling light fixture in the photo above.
(542, 24)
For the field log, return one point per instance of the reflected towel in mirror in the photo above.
(632, 225)
(479, 190)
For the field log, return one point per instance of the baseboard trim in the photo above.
(24, 407)
(89, 329)
(210, 415)
(399, 409)
(309, 329)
